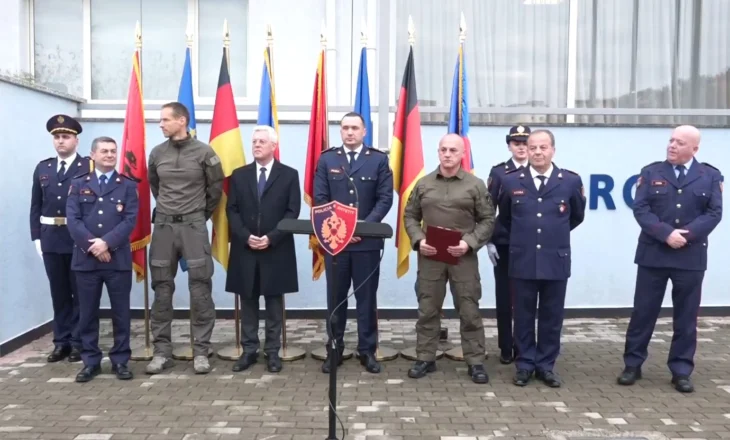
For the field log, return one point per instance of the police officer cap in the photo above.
(63, 124)
(518, 133)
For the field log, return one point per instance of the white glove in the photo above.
(493, 255)
(38, 248)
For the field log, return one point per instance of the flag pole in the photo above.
(143, 353)
(286, 353)
(231, 353)
(382, 354)
(457, 353)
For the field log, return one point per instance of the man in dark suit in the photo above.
(48, 230)
(498, 246)
(356, 175)
(102, 212)
(540, 206)
(263, 260)
(678, 204)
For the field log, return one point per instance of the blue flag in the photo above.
(362, 97)
(185, 97)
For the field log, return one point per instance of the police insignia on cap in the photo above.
(520, 129)
(60, 119)
(63, 124)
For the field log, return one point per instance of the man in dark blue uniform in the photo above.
(102, 212)
(540, 206)
(678, 204)
(498, 247)
(360, 176)
(48, 230)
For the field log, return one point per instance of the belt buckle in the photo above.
(177, 218)
(59, 221)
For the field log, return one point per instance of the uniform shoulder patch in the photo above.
(711, 166)
(499, 165)
(47, 160)
(213, 160)
(651, 164)
(570, 171)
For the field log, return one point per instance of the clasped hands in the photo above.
(100, 250)
(258, 243)
(676, 240)
(456, 251)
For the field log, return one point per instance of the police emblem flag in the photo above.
(334, 226)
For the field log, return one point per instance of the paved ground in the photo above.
(41, 401)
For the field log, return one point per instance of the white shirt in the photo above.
(356, 150)
(69, 160)
(686, 168)
(517, 164)
(266, 166)
(547, 174)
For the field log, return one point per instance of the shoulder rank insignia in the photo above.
(133, 179)
(569, 171)
(501, 164)
(711, 166)
(511, 171)
(329, 149)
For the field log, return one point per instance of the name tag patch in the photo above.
(518, 192)
(658, 183)
(335, 171)
(86, 192)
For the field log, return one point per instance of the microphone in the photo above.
(354, 187)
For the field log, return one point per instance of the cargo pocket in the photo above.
(201, 269)
(160, 270)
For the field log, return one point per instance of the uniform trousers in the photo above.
(64, 298)
(119, 285)
(250, 319)
(352, 269)
(466, 290)
(170, 241)
(504, 297)
(651, 284)
(538, 354)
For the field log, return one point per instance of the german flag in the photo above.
(406, 157)
(225, 138)
(134, 164)
(318, 142)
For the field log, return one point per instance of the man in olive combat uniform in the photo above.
(186, 178)
(452, 198)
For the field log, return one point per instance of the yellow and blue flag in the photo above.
(185, 97)
(267, 99)
(362, 97)
(459, 112)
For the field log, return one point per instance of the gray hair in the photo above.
(273, 136)
(101, 139)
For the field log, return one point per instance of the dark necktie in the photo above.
(352, 158)
(62, 171)
(102, 182)
(542, 183)
(680, 176)
(262, 181)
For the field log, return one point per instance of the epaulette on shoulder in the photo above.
(499, 165)
(375, 150)
(82, 174)
(48, 160)
(651, 164)
(329, 149)
(711, 166)
(508, 172)
(570, 171)
(133, 179)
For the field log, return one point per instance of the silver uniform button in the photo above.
(100, 225)
(538, 246)
(539, 214)
(101, 212)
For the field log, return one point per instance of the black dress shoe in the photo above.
(245, 361)
(75, 355)
(370, 363)
(88, 373)
(478, 374)
(683, 384)
(421, 368)
(549, 378)
(629, 376)
(122, 372)
(273, 362)
(327, 364)
(506, 358)
(58, 354)
(522, 377)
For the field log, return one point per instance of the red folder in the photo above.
(441, 238)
